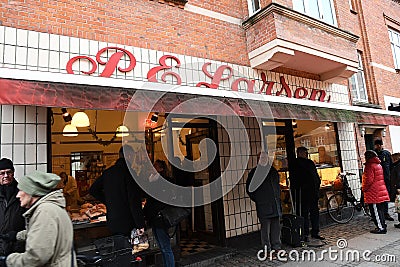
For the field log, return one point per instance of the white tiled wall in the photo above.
(240, 212)
(23, 137)
(30, 50)
(348, 147)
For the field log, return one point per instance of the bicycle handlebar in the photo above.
(346, 173)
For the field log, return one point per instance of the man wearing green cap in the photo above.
(49, 232)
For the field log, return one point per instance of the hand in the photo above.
(10, 236)
(140, 231)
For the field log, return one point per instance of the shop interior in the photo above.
(321, 140)
(85, 152)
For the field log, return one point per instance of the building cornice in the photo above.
(179, 3)
(392, 20)
(290, 13)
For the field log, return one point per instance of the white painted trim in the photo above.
(383, 67)
(120, 83)
(302, 48)
(212, 14)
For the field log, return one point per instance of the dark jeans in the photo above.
(378, 215)
(308, 208)
(271, 233)
(163, 241)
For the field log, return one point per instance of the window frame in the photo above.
(354, 77)
(251, 5)
(393, 44)
(306, 9)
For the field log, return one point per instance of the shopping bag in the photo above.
(397, 204)
(139, 242)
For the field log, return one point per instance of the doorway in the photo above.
(190, 141)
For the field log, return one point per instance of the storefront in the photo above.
(239, 109)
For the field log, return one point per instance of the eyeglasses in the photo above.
(2, 173)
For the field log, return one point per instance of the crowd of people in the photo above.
(35, 229)
(380, 185)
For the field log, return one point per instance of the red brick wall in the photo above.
(301, 33)
(142, 23)
(233, 8)
(377, 43)
(261, 33)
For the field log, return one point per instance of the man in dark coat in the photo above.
(118, 190)
(386, 163)
(305, 183)
(11, 219)
(263, 188)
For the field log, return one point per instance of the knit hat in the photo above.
(6, 164)
(38, 183)
(369, 154)
(378, 142)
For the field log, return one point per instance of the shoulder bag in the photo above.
(172, 216)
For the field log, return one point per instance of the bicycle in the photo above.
(343, 204)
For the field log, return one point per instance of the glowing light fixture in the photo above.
(70, 130)
(80, 119)
(154, 117)
(122, 131)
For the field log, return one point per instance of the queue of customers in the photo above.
(36, 229)
(381, 179)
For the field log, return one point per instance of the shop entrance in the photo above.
(192, 139)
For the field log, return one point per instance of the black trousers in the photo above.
(307, 207)
(378, 215)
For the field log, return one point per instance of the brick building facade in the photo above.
(328, 62)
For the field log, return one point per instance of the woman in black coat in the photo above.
(267, 199)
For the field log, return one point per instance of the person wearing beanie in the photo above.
(374, 189)
(49, 232)
(11, 219)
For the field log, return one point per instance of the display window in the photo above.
(319, 137)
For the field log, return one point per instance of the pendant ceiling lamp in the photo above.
(122, 131)
(70, 130)
(80, 119)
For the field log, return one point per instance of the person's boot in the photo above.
(378, 231)
(388, 217)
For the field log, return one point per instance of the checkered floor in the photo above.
(191, 246)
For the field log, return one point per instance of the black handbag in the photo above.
(172, 216)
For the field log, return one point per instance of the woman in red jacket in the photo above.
(375, 192)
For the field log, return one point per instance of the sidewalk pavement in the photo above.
(348, 244)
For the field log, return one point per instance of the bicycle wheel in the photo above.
(339, 209)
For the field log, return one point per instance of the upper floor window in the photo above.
(319, 9)
(395, 43)
(357, 83)
(254, 6)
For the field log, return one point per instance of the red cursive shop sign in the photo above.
(223, 72)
